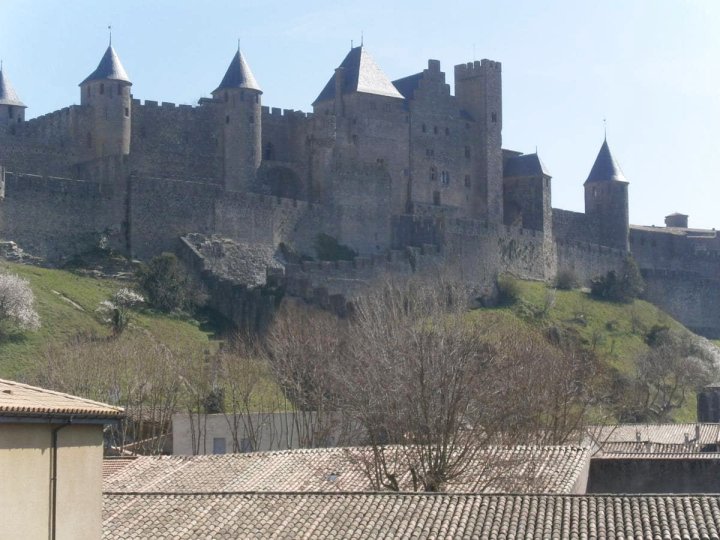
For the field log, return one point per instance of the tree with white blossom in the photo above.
(17, 303)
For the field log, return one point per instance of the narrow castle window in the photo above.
(251, 119)
(436, 198)
(127, 112)
(226, 96)
(433, 174)
(257, 98)
(493, 118)
(10, 112)
(88, 91)
(467, 152)
(102, 88)
(119, 89)
(445, 178)
(269, 151)
(227, 119)
(424, 128)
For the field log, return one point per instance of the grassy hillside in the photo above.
(66, 303)
(615, 331)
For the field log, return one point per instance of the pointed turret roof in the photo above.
(8, 96)
(239, 75)
(605, 169)
(109, 68)
(361, 74)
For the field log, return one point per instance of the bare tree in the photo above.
(134, 371)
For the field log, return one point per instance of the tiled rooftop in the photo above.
(22, 400)
(545, 469)
(391, 515)
(655, 438)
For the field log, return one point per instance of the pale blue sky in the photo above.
(651, 67)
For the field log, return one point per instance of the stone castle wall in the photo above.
(55, 217)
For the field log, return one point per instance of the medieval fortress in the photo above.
(401, 171)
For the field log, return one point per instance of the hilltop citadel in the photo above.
(403, 172)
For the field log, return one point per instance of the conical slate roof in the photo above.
(8, 96)
(238, 75)
(605, 169)
(361, 74)
(109, 68)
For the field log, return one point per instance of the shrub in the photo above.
(329, 249)
(619, 287)
(566, 280)
(17, 303)
(167, 285)
(508, 290)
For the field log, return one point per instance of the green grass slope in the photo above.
(615, 331)
(66, 303)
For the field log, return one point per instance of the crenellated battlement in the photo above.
(276, 112)
(476, 68)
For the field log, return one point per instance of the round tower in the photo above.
(606, 201)
(12, 110)
(106, 95)
(239, 97)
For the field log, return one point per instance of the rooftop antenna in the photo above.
(110, 33)
(362, 39)
(352, 44)
(238, 44)
(605, 128)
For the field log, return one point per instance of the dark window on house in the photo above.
(227, 119)
(127, 112)
(433, 174)
(219, 445)
(445, 178)
(246, 446)
(467, 152)
(467, 180)
(436, 198)
(493, 118)
(102, 88)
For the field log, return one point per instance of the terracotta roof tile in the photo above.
(393, 515)
(22, 400)
(543, 469)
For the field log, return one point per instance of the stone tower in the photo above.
(12, 110)
(478, 89)
(239, 97)
(106, 95)
(606, 201)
